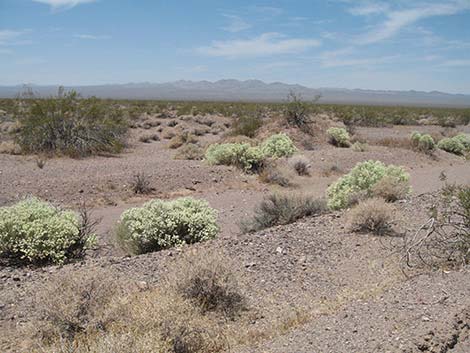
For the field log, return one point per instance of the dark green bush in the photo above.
(70, 125)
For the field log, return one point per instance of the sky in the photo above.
(371, 44)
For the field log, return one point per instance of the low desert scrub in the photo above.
(362, 179)
(246, 125)
(394, 142)
(300, 164)
(208, 280)
(168, 134)
(140, 184)
(274, 173)
(297, 111)
(190, 152)
(423, 142)
(160, 224)
(278, 209)
(182, 139)
(190, 311)
(445, 238)
(34, 231)
(243, 156)
(360, 146)
(372, 215)
(338, 137)
(9, 147)
(149, 138)
(277, 146)
(459, 144)
(72, 126)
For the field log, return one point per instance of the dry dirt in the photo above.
(318, 287)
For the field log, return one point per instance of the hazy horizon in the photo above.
(367, 44)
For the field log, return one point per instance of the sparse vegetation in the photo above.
(445, 238)
(140, 184)
(34, 231)
(300, 164)
(371, 215)
(273, 173)
(451, 145)
(360, 146)
(160, 224)
(361, 180)
(242, 156)
(69, 125)
(246, 125)
(278, 209)
(190, 152)
(338, 137)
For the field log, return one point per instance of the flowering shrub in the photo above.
(277, 146)
(361, 181)
(36, 231)
(451, 145)
(338, 136)
(160, 224)
(241, 155)
(423, 142)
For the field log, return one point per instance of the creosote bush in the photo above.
(160, 224)
(70, 125)
(361, 181)
(246, 125)
(371, 215)
(339, 137)
(279, 209)
(35, 231)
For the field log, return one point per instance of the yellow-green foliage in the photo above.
(241, 155)
(451, 145)
(423, 142)
(361, 181)
(36, 231)
(247, 157)
(277, 146)
(338, 137)
(160, 224)
(464, 139)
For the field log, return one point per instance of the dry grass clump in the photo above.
(300, 164)
(190, 152)
(140, 184)
(390, 189)
(9, 147)
(274, 173)
(189, 311)
(168, 134)
(360, 146)
(394, 142)
(279, 209)
(372, 215)
(149, 138)
(181, 139)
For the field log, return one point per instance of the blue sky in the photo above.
(400, 45)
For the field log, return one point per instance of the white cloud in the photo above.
(91, 36)
(6, 35)
(369, 8)
(63, 4)
(398, 19)
(236, 24)
(268, 10)
(342, 57)
(263, 45)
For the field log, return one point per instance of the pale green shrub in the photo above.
(338, 137)
(361, 181)
(451, 145)
(277, 146)
(464, 139)
(160, 224)
(423, 142)
(35, 231)
(242, 155)
(360, 146)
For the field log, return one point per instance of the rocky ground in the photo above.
(316, 286)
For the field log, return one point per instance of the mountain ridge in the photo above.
(249, 90)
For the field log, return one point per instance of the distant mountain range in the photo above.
(250, 90)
